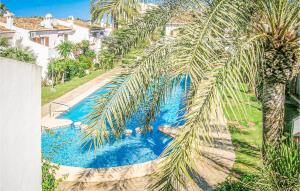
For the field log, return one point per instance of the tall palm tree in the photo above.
(3, 9)
(229, 43)
(117, 10)
(65, 49)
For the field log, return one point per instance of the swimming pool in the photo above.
(64, 146)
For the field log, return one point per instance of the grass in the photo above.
(48, 94)
(246, 138)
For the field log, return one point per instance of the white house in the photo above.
(144, 7)
(176, 22)
(6, 33)
(39, 34)
(85, 31)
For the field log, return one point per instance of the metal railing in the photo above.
(55, 111)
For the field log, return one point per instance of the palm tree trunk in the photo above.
(115, 22)
(63, 78)
(273, 101)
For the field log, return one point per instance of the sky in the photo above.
(58, 8)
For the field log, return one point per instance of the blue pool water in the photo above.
(65, 146)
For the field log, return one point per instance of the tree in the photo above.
(4, 42)
(3, 9)
(65, 49)
(118, 10)
(229, 43)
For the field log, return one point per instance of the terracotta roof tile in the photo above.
(32, 24)
(84, 24)
(183, 18)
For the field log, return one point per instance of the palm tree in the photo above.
(118, 10)
(65, 50)
(229, 43)
(3, 9)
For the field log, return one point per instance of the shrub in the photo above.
(235, 185)
(49, 182)
(282, 173)
(21, 54)
(106, 59)
(4, 42)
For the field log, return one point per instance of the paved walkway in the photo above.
(75, 96)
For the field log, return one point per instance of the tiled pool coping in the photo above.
(75, 96)
(107, 174)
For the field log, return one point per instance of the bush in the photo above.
(281, 173)
(49, 183)
(4, 42)
(21, 54)
(106, 59)
(234, 185)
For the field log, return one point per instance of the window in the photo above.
(42, 40)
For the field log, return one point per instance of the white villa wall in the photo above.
(80, 33)
(43, 53)
(170, 28)
(20, 126)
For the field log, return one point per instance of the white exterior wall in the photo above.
(20, 126)
(43, 53)
(80, 33)
(170, 28)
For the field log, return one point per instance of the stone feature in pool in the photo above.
(64, 146)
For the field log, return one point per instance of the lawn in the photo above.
(247, 138)
(246, 133)
(48, 94)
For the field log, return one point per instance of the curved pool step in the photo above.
(169, 130)
(52, 123)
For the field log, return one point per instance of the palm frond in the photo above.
(129, 91)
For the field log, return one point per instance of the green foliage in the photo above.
(17, 53)
(4, 42)
(66, 68)
(234, 185)
(281, 173)
(3, 9)
(224, 47)
(49, 182)
(84, 49)
(65, 48)
(49, 95)
(106, 59)
(121, 11)
(283, 169)
(127, 38)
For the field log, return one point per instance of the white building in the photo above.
(85, 31)
(6, 33)
(41, 35)
(144, 7)
(176, 22)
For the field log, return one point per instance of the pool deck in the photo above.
(75, 96)
(212, 168)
